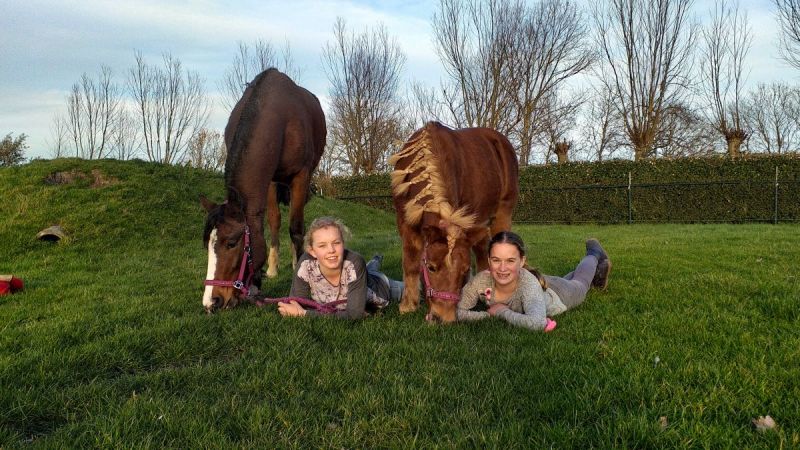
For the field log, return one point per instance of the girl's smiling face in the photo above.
(327, 246)
(505, 262)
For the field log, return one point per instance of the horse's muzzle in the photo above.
(216, 303)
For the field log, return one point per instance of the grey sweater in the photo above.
(528, 307)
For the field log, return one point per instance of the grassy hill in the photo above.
(108, 345)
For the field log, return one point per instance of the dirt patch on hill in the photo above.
(97, 178)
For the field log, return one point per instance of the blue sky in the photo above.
(45, 46)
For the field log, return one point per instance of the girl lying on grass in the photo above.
(522, 296)
(328, 273)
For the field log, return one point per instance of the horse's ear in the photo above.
(208, 205)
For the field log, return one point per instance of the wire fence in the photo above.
(734, 201)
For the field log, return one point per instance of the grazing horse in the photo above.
(275, 138)
(452, 190)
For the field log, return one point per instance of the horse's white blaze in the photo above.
(272, 267)
(212, 266)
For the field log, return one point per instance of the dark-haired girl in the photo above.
(522, 296)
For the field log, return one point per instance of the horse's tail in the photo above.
(284, 193)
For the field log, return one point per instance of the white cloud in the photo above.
(48, 44)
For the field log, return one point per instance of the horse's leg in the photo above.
(297, 203)
(412, 257)
(274, 219)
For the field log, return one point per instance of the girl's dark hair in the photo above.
(509, 237)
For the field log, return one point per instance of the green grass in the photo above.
(108, 346)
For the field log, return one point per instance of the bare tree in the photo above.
(366, 117)
(93, 109)
(424, 104)
(559, 113)
(646, 46)
(684, 133)
(601, 132)
(788, 12)
(772, 114)
(549, 47)
(207, 150)
(726, 43)
(503, 59)
(473, 42)
(249, 62)
(125, 142)
(59, 137)
(171, 106)
(334, 162)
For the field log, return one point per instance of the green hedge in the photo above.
(682, 190)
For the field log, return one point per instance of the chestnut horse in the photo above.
(452, 190)
(275, 138)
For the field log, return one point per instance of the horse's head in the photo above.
(446, 259)
(224, 235)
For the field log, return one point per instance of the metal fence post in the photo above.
(630, 200)
(776, 195)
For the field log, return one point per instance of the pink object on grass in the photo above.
(551, 325)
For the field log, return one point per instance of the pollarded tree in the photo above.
(646, 47)
(726, 42)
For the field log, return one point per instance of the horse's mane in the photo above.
(417, 165)
(214, 217)
(217, 215)
(245, 126)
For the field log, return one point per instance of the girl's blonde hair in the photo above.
(325, 222)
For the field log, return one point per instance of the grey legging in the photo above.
(572, 288)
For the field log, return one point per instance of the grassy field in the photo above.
(108, 346)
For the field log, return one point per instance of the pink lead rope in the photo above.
(322, 308)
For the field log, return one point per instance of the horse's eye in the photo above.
(231, 244)
(431, 268)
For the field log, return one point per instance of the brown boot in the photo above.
(594, 248)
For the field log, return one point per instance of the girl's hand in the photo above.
(291, 309)
(496, 309)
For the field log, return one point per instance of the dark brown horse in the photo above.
(275, 137)
(452, 190)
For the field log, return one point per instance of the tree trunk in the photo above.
(639, 153)
(561, 149)
(734, 139)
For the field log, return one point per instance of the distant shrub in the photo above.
(716, 189)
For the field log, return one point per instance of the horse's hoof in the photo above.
(407, 307)
(272, 273)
